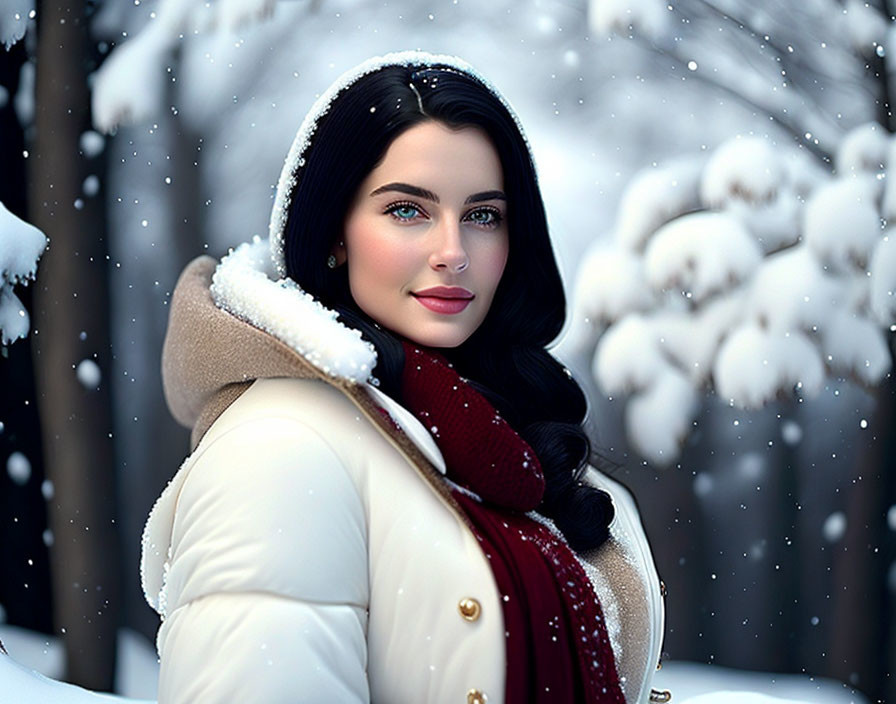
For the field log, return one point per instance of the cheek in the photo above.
(375, 259)
(366, 250)
(494, 260)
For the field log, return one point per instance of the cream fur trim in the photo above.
(244, 285)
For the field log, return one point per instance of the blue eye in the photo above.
(404, 212)
(486, 217)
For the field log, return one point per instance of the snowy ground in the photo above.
(691, 683)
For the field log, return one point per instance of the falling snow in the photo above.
(88, 373)
(834, 527)
(791, 432)
(18, 468)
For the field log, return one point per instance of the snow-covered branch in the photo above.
(129, 87)
(750, 274)
(14, 16)
(21, 245)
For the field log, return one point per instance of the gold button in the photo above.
(470, 609)
(474, 696)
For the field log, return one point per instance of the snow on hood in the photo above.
(243, 284)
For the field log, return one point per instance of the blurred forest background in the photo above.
(137, 134)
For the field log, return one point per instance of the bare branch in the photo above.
(778, 116)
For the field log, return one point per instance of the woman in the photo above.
(387, 481)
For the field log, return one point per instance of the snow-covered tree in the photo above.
(21, 245)
(765, 266)
(747, 272)
(14, 16)
(130, 86)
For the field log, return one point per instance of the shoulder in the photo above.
(311, 402)
(270, 479)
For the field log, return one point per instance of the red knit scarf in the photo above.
(557, 645)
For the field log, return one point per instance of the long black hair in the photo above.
(506, 358)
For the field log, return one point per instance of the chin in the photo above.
(442, 339)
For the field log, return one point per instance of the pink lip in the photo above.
(448, 300)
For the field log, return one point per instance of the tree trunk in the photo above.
(71, 297)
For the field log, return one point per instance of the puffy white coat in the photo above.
(309, 550)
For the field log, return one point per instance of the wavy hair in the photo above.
(506, 357)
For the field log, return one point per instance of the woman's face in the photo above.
(426, 237)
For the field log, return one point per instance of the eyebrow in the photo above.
(429, 195)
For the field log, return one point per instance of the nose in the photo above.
(448, 252)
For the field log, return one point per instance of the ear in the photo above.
(338, 251)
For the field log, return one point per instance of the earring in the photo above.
(331, 261)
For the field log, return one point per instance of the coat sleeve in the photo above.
(629, 589)
(266, 590)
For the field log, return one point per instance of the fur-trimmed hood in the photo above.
(232, 322)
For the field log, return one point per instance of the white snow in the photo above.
(883, 280)
(647, 17)
(627, 356)
(18, 468)
(791, 432)
(35, 660)
(130, 85)
(743, 698)
(791, 292)
(888, 202)
(751, 466)
(14, 320)
(692, 682)
(753, 366)
(891, 517)
(88, 373)
(24, 100)
(834, 527)
(804, 172)
(852, 344)
(841, 223)
(47, 537)
(700, 254)
(286, 311)
(610, 284)
(47, 489)
(864, 148)
(654, 197)
(691, 338)
(91, 185)
(658, 418)
(774, 224)
(744, 168)
(21, 245)
(14, 15)
(703, 484)
(92, 144)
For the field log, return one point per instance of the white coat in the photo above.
(308, 549)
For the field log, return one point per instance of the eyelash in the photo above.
(497, 216)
